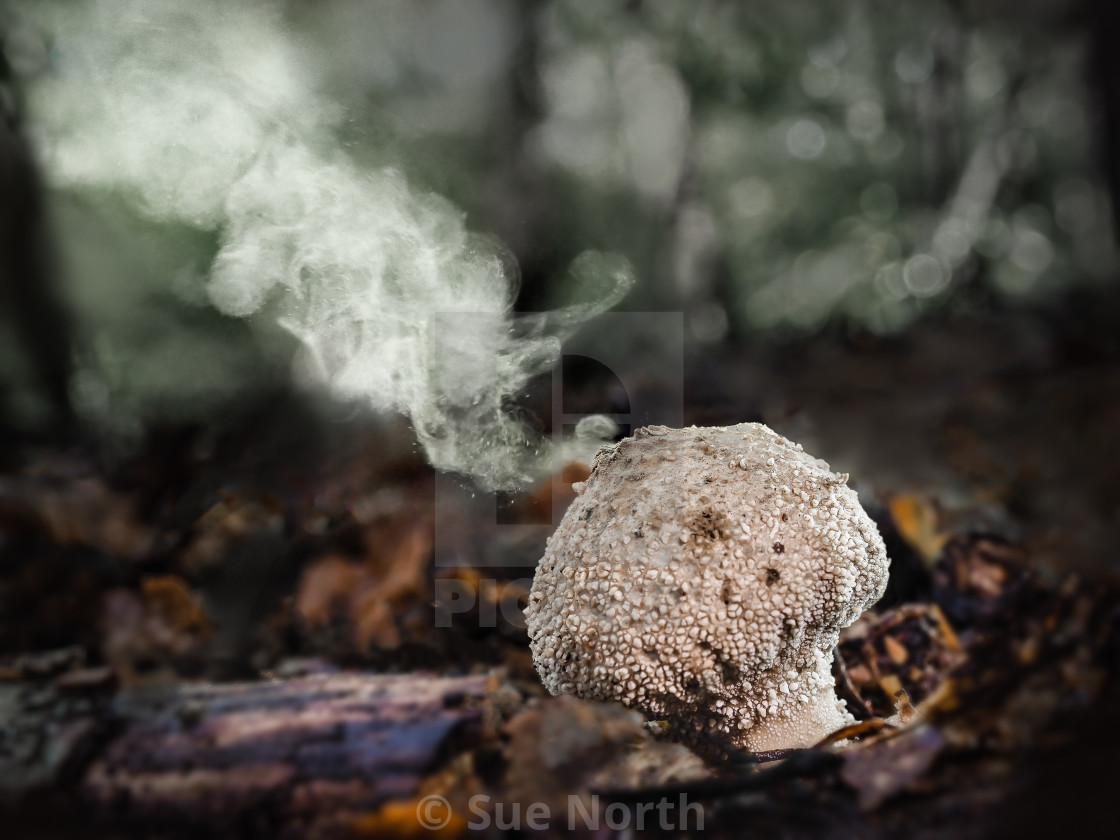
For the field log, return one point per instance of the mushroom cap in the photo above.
(703, 576)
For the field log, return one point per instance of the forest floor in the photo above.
(247, 633)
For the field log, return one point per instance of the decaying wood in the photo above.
(301, 757)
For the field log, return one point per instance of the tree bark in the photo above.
(298, 758)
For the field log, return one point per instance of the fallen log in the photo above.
(294, 758)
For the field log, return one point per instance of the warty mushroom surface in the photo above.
(702, 576)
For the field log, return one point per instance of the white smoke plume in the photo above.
(202, 113)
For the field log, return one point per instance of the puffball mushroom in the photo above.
(702, 576)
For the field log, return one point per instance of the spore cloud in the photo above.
(204, 114)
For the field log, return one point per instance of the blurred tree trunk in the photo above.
(29, 306)
(1104, 26)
